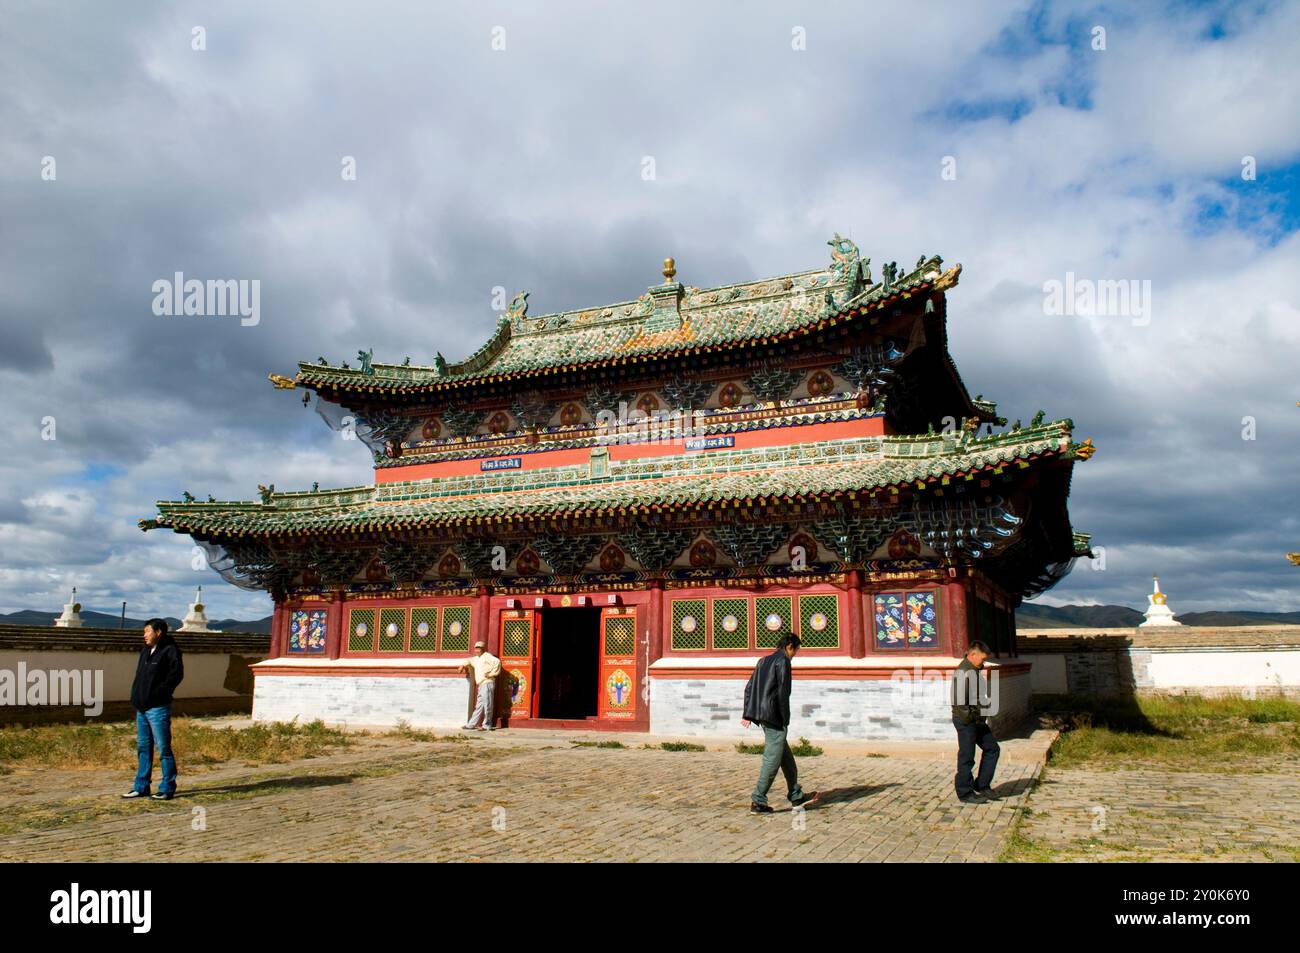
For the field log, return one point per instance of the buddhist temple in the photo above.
(631, 503)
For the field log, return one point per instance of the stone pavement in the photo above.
(1155, 813)
(525, 796)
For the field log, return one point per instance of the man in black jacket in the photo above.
(973, 730)
(157, 674)
(767, 704)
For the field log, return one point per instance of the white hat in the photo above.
(480, 645)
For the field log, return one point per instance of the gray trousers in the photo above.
(776, 754)
(483, 705)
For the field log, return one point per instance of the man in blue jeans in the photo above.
(767, 704)
(973, 730)
(157, 674)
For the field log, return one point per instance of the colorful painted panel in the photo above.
(361, 630)
(618, 663)
(307, 631)
(922, 620)
(906, 620)
(392, 630)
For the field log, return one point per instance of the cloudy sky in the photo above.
(505, 145)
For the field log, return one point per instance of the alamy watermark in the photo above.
(1099, 297)
(82, 688)
(215, 297)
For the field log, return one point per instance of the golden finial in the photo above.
(670, 270)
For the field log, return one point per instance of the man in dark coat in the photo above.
(973, 730)
(767, 704)
(157, 674)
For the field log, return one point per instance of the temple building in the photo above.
(630, 504)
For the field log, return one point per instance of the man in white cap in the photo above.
(486, 668)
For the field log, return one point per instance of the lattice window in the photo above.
(731, 623)
(620, 635)
(361, 630)
(455, 629)
(773, 618)
(424, 629)
(688, 625)
(392, 630)
(819, 621)
(517, 638)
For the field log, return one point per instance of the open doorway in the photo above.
(569, 666)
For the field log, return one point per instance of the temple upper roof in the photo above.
(667, 320)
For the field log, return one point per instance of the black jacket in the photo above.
(157, 674)
(966, 694)
(767, 696)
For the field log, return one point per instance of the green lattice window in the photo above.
(516, 638)
(620, 635)
(773, 618)
(688, 625)
(424, 629)
(819, 621)
(455, 629)
(361, 630)
(731, 623)
(392, 630)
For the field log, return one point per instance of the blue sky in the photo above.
(521, 167)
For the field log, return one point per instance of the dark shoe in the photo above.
(160, 797)
(971, 798)
(803, 799)
(987, 794)
(130, 794)
(760, 809)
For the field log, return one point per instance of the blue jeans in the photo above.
(153, 729)
(776, 754)
(968, 737)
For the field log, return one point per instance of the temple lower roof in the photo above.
(705, 479)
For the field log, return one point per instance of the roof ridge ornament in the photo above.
(665, 301)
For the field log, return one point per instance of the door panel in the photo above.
(519, 635)
(618, 651)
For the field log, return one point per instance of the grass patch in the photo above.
(803, 749)
(112, 745)
(678, 746)
(598, 744)
(405, 732)
(1183, 732)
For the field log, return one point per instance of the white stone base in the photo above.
(827, 709)
(421, 702)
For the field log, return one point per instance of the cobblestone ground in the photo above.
(405, 800)
(1150, 813)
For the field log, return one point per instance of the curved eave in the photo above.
(361, 525)
(364, 385)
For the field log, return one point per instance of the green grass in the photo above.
(803, 749)
(1175, 731)
(112, 745)
(678, 746)
(598, 744)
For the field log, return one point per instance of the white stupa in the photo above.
(196, 620)
(1158, 612)
(71, 618)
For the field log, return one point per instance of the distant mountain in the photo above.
(1120, 617)
(105, 620)
(1076, 617)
